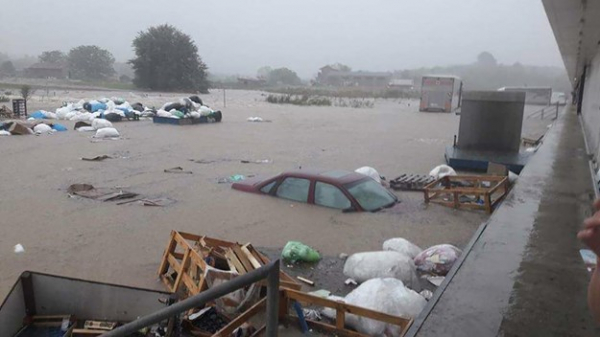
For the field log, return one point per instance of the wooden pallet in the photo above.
(287, 296)
(474, 192)
(187, 256)
(411, 182)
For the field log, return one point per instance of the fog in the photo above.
(239, 36)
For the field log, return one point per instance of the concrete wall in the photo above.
(590, 109)
(491, 121)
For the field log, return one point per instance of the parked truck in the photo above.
(440, 93)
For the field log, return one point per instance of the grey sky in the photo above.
(239, 36)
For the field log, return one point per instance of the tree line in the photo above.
(165, 59)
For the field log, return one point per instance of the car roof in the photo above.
(333, 176)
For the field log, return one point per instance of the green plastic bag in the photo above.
(297, 251)
(178, 113)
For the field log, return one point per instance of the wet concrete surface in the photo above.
(523, 275)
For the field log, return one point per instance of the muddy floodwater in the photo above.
(123, 244)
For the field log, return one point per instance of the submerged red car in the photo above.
(348, 191)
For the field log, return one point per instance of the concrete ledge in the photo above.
(521, 274)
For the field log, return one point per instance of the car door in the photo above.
(294, 188)
(328, 195)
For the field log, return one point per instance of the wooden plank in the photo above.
(190, 236)
(164, 266)
(175, 265)
(184, 265)
(259, 331)
(237, 249)
(305, 280)
(182, 241)
(327, 328)
(231, 258)
(253, 261)
(340, 317)
(241, 319)
(352, 309)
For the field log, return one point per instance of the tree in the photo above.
(26, 92)
(90, 63)
(283, 76)
(167, 59)
(7, 69)
(486, 59)
(263, 72)
(53, 56)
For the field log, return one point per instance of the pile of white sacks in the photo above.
(85, 111)
(389, 282)
(102, 127)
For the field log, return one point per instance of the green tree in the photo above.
(7, 69)
(27, 92)
(167, 59)
(486, 59)
(53, 56)
(263, 72)
(283, 76)
(90, 63)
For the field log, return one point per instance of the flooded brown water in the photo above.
(123, 244)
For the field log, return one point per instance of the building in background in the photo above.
(333, 77)
(46, 70)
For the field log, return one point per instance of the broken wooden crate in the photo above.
(187, 256)
(288, 296)
(411, 182)
(466, 191)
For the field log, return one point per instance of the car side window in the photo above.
(267, 188)
(330, 196)
(294, 189)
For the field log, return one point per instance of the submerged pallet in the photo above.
(411, 182)
(474, 192)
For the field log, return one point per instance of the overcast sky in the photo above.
(239, 36)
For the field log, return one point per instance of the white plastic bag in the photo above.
(85, 129)
(98, 123)
(442, 171)
(82, 117)
(369, 265)
(369, 172)
(402, 246)
(205, 111)
(107, 133)
(437, 259)
(61, 113)
(42, 128)
(5, 133)
(387, 295)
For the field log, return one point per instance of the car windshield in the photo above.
(371, 195)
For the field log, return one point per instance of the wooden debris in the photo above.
(411, 182)
(474, 192)
(305, 280)
(99, 325)
(187, 256)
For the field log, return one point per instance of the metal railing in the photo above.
(543, 111)
(269, 272)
